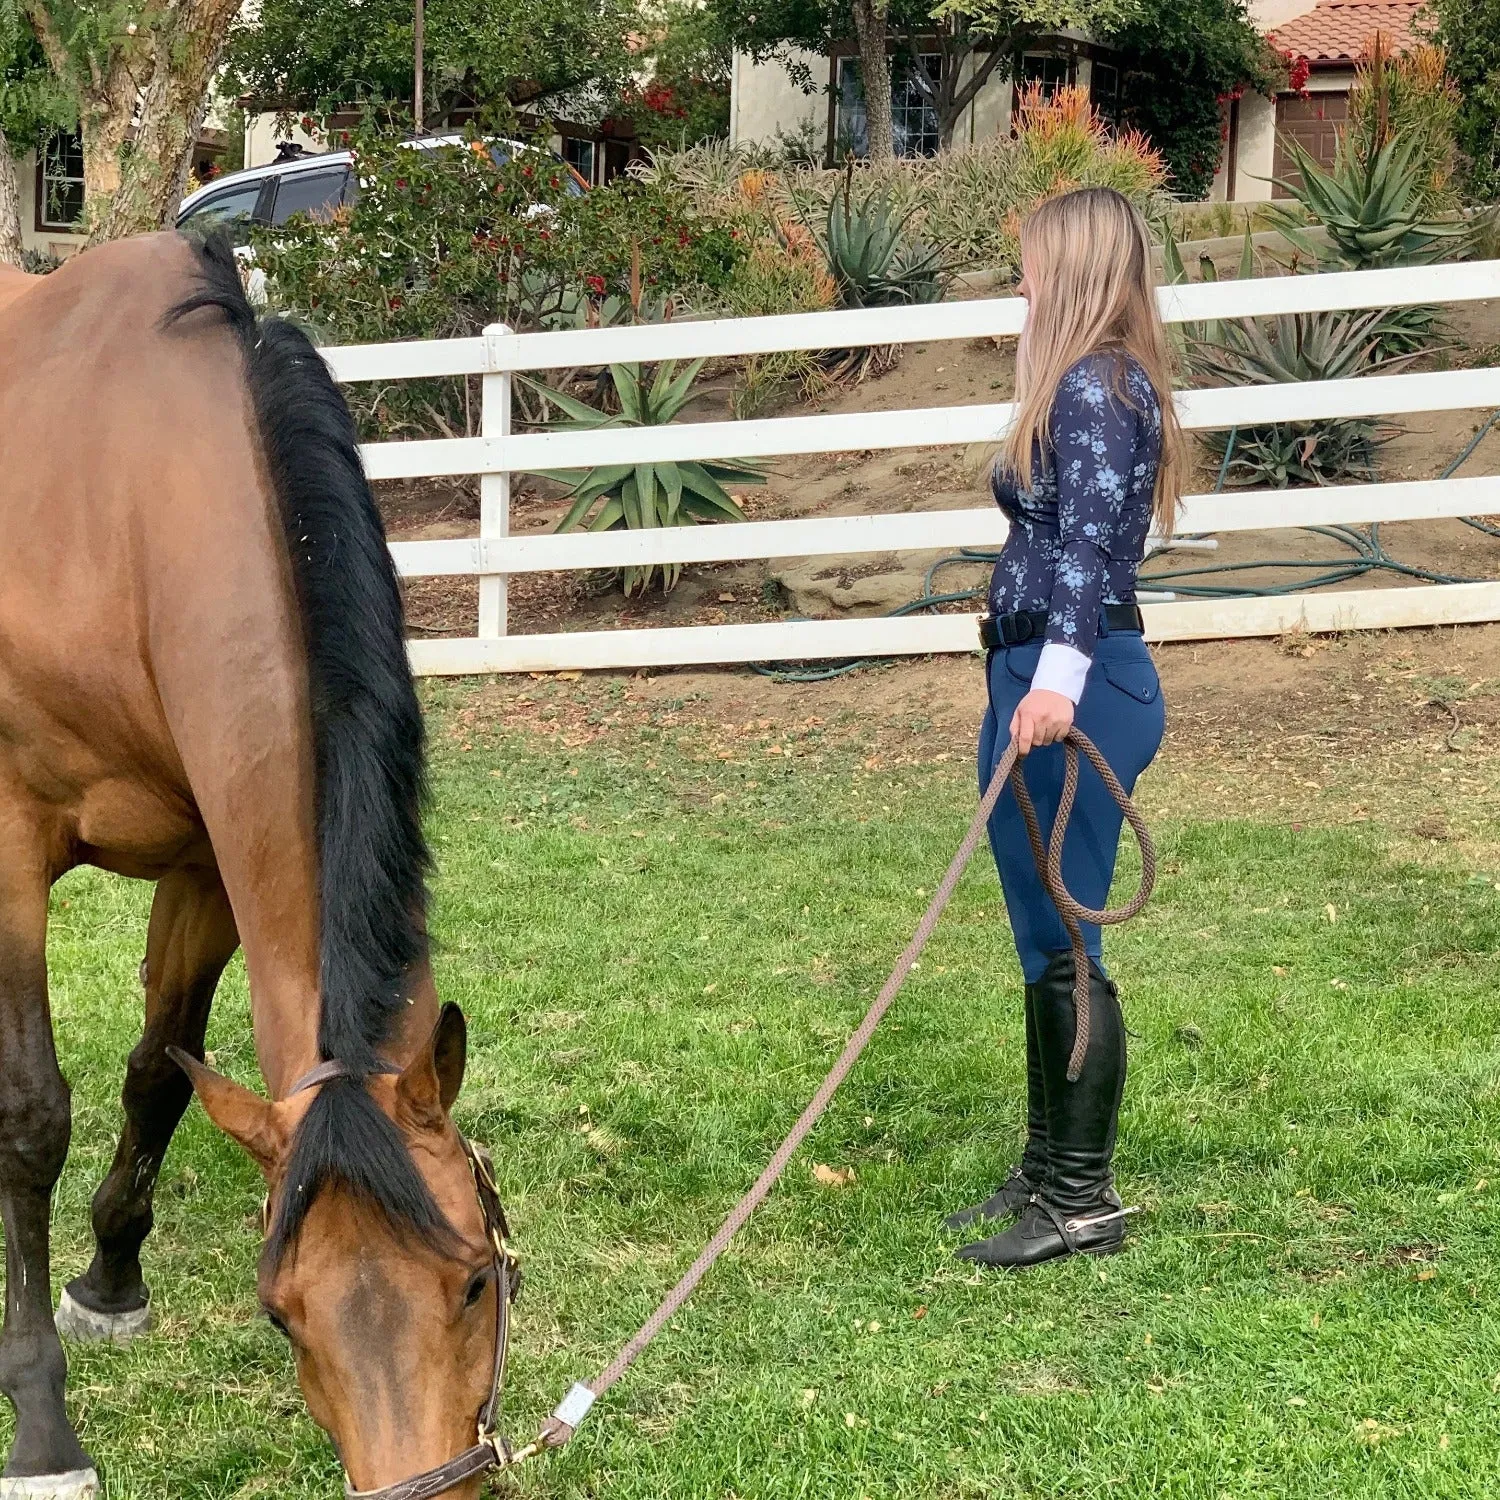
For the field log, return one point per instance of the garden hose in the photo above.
(1370, 556)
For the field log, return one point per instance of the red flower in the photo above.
(307, 123)
(400, 184)
(396, 304)
(595, 285)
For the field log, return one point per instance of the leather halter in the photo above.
(489, 1450)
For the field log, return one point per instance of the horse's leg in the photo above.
(191, 937)
(35, 1122)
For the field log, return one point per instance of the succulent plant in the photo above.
(872, 258)
(1373, 209)
(644, 495)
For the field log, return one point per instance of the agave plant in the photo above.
(644, 495)
(1296, 347)
(873, 259)
(1372, 208)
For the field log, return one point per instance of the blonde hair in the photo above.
(1087, 257)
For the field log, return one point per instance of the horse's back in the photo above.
(144, 585)
(13, 285)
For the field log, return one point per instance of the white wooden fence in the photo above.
(498, 452)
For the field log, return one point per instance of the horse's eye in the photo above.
(476, 1288)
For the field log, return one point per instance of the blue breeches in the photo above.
(1122, 712)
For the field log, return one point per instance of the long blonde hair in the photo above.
(1087, 258)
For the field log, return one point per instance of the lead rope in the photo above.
(574, 1407)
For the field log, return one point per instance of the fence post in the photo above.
(494, 489)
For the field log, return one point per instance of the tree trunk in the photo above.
(875, 75)
(171, 112)
(103, 124)
(11, 248)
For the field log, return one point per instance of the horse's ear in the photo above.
(242, 1115)
(431, 1081)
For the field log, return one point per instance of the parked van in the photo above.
(312, 183)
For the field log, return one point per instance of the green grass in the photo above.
(660, 953)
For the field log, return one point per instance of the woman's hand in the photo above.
(1041, 718)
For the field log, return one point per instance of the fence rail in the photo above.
(494, 554)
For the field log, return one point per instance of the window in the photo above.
(1104, 90)
(914, 124)
(230, 208)
(1043, 68)
(580, 156)
(316, 194)
(59, 202)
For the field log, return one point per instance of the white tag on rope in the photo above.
(574, 1407)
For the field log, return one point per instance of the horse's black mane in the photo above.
(368, 744)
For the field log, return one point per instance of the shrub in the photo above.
(1408, 95)
(442, 242)
(966, 203)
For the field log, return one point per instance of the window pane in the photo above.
(580, 156)
(852, 126)
(914, 126)
(1040, 67)
(316, 194)
(62, 181)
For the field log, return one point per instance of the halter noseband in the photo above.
(490, 1450)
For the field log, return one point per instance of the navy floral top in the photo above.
(1078, 535)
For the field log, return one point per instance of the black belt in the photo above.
(996, 631)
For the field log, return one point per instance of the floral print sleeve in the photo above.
(1094, 434)
(1078, 530)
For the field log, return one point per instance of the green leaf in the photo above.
(630, 502)
(582, 413)
(695, 478)
(627, 379)
(671, 485)
(1172, 257)
(645, 488)
(609, 517)
(1247, 256)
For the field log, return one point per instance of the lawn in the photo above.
(661, 947)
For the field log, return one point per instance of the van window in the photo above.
(316, 194)
(231, 209)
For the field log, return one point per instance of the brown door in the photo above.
(1314, 122)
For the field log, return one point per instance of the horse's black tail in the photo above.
(368, 738)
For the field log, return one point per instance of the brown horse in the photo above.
(203, 683)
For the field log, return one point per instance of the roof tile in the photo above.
(1339, 30)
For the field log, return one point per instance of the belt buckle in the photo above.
(1016, 628)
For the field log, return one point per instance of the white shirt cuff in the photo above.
(1061, 669)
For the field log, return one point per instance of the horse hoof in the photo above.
(75, 1321)
(80, 1484)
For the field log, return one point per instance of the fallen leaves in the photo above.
(833, 1177)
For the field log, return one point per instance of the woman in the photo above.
(1091, 459)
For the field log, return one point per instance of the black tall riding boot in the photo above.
(1077, 1209)
(1027, 1177)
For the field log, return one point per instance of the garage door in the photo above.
(1314, 122)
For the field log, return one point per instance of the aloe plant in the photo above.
(1373, 208)
(641, 496)
(1297, 347)
(872, 258)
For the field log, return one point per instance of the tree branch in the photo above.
(59, 59)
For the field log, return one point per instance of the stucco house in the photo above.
(51, 188)
(768, 100)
